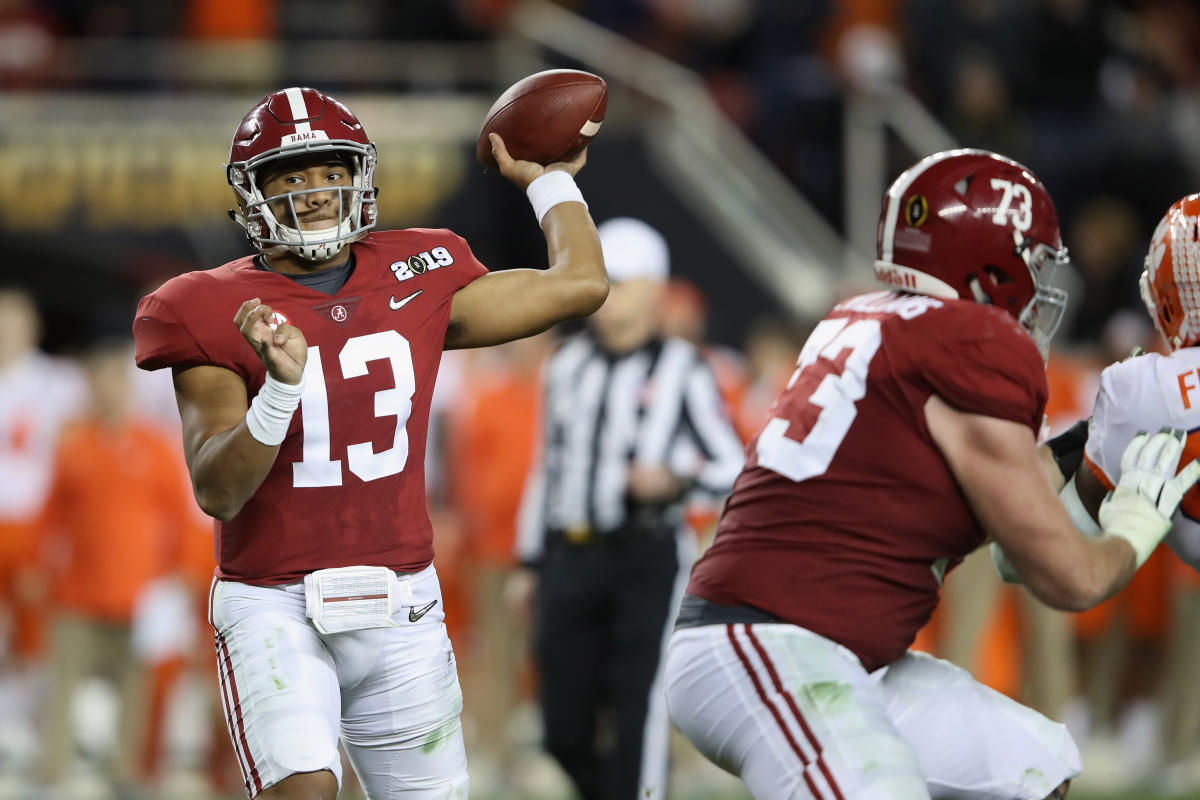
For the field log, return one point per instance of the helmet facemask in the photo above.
(356, 209)
(1042, 315)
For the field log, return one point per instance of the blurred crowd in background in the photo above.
(105, 666)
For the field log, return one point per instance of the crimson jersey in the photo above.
(846, 516)
(348, 485)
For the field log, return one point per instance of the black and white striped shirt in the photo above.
(655, 406)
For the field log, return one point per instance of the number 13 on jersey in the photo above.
(318, 468)
(819, 402)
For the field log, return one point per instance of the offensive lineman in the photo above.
(905, 437)
(326, 607)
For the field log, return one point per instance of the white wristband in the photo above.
(1077, 512)
(271, 410)
(1008, 573)
(551, 188)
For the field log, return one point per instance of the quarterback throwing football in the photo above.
(303, 376)
(905, 438)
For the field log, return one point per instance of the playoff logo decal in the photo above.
(916, 210)
(419, 264)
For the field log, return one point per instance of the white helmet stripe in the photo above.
(299, 111)
(896, 194)
(911, 280)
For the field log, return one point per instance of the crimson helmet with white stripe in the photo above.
(301, 122)
(975, 225)
(1171, 281)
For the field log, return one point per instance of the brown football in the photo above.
(549, 116)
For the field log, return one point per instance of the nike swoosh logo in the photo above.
(396, 305)
(415, 614)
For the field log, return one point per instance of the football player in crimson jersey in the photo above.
(326, 607)
(905, 438)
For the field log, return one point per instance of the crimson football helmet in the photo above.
(297, 122)
(975, 225)
(1171, 281)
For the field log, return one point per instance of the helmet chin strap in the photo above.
(332, 240)
(318, 252)
(977, 291)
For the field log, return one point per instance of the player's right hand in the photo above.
(1140, 508)
(523, 173)
(283, 348)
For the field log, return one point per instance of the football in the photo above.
(547, 117)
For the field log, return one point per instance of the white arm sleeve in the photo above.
(1075, 510)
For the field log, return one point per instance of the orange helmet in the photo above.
(1171, 281)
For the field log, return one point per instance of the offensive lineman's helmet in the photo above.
(295, 122)
(1171, 281)
(975, 225)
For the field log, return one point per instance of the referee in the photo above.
(632, 425)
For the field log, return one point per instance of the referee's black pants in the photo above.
(603, 614)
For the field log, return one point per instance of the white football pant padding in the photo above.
(918, 728)
(791, 713)
(391, 694)
(974, 742)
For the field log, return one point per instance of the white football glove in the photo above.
(1139, 510)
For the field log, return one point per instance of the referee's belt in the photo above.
(584, 535)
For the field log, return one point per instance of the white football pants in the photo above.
(795, 715)
(390, 694)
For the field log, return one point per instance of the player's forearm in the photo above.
(1114, 562)
(1061, 567)
(1107, 566)
(1094, 571)
(576, 261)
(228, 469)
